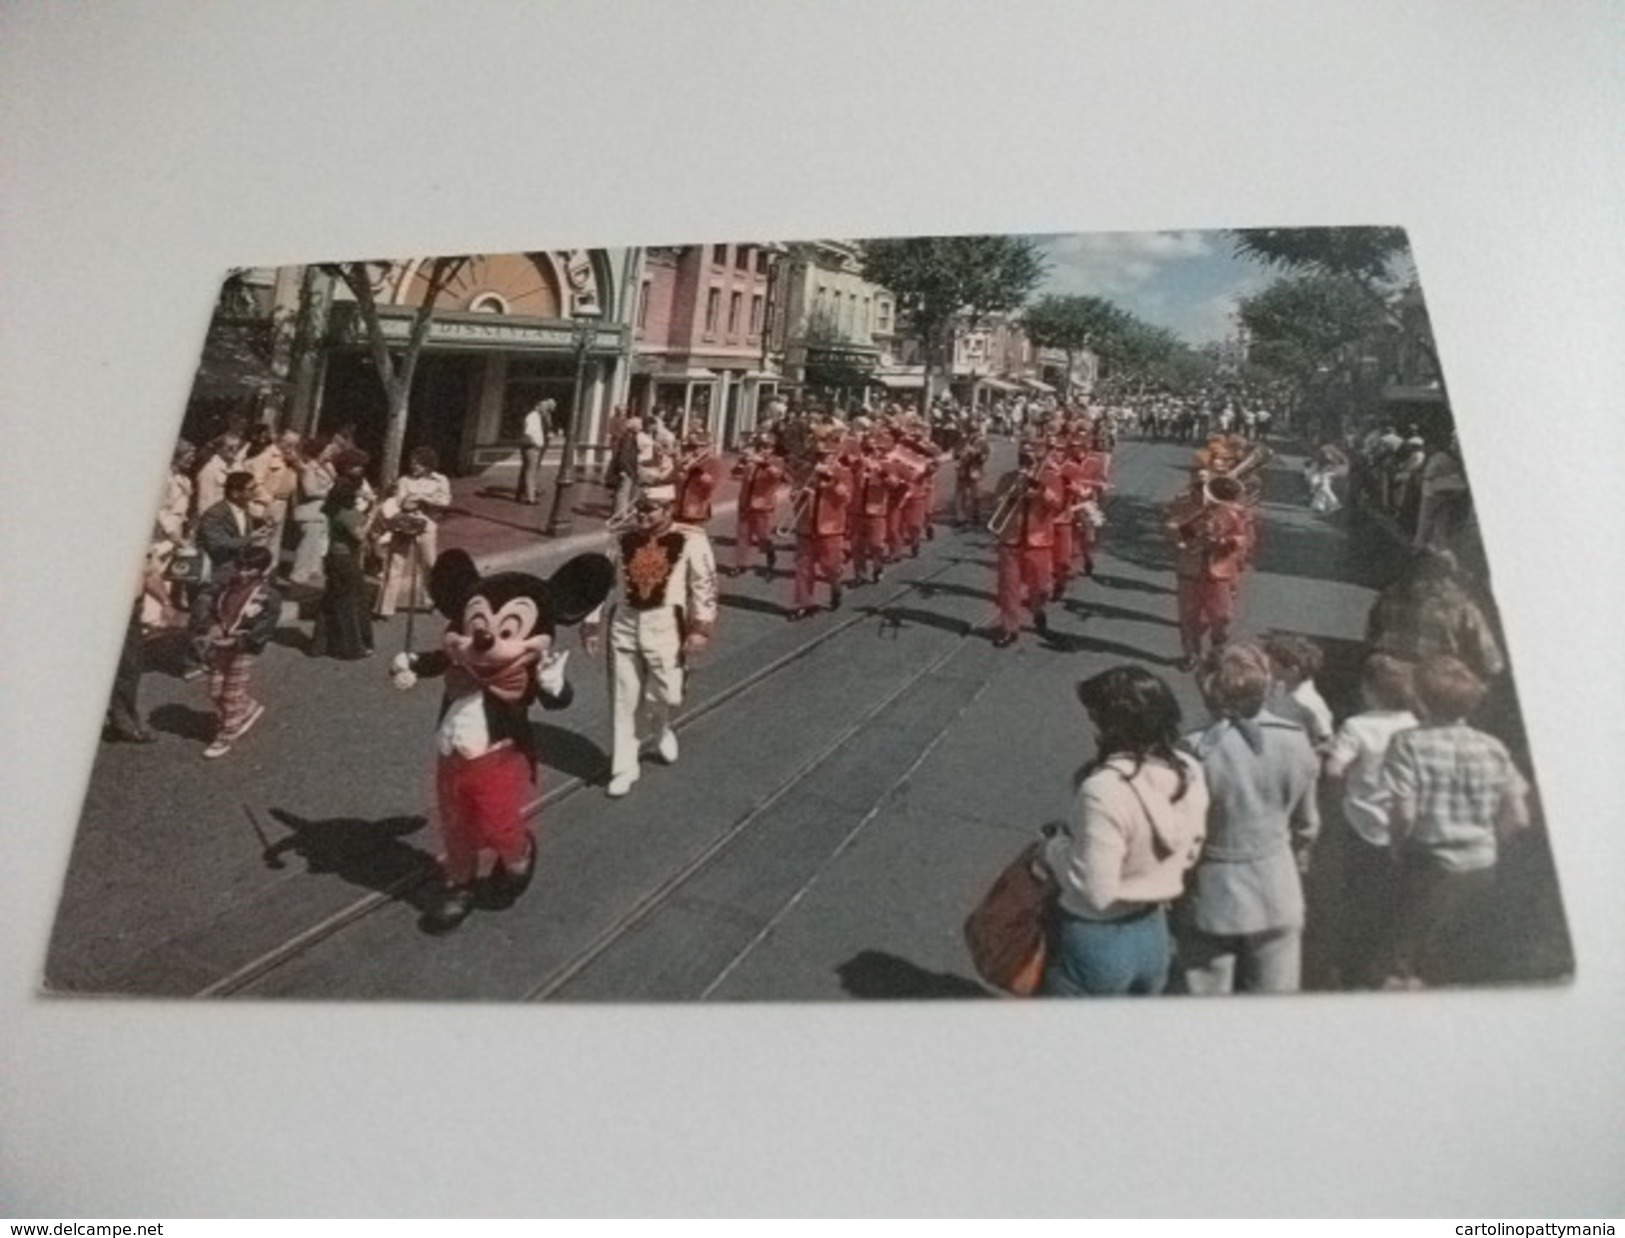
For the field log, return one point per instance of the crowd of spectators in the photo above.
(300, 518)
(1412, 478)
(1184, 864)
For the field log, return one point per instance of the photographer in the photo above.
(409, 531)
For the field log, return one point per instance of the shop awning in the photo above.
(998, 384)
(900, 382)
(1033, 384)
(685, 376)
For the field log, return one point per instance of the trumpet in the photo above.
(691, 460)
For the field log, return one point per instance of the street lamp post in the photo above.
(582, 334)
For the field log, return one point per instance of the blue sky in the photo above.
(1185, 281)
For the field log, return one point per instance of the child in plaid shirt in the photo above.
(242, 619)
(1454, 792)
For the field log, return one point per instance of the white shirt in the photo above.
(692, 585)
(211, 483)
(463, 730)
(432, 489)
(1107, 863)
(535, 434)
(1356, 755)
(1305, 706)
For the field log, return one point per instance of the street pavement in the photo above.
(847, 787)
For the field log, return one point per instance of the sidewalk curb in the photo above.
(545, 552)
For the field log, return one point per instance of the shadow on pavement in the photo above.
(737, 601)
(930, 589)
(184, 721)
(369, 854)
(292, 638)
(569, 752)
(894, 618)
(876, 975)
(1068, 642)
(1087, 607)
(1130, 586)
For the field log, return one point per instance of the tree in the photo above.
(1324, 332)
(1126, 345)
(395, 370)
(1073, 324)
(1375, 262)
(938, 280)
(1184, 369)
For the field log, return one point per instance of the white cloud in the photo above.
(1114, 264)
(1212, 319)
(1182, 280)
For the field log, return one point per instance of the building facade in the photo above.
(837, 328)
(506, 331)
(701, 336)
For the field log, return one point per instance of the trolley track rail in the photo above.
(266, 963)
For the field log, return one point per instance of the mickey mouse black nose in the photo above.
(483, 641)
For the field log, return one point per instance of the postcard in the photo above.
(933, 617)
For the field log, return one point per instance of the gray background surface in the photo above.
(151, 146)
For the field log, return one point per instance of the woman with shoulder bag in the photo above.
(1137, 826)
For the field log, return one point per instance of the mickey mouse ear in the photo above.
(579, 586)
(451, 580)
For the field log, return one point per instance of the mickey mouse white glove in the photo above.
(400, 671)
(550, 676)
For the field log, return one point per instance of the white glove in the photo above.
(400, 671)
(550, 676)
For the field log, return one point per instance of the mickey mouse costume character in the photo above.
(497, 659)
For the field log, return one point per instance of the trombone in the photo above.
(799, 506)
(1005, 511)
(1010, 501)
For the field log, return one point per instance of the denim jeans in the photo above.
(1101, 957)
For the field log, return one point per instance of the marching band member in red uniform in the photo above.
(873, 483)
(850, 457)
(821, 514)
(1209, 531)
(697, 475)
(761, 472)
(1094, 466)
(1030, 499)
(914, 516)
(1074, 491)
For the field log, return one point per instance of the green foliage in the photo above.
(1125, 343)
(939, 278)
(1073, 323)
(1373, 262)
(1369, 254)
(1304, 323)
(1183, 369)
